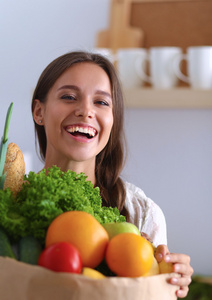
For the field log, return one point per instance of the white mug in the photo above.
(127, 62)
(199, 67)
(160, 59)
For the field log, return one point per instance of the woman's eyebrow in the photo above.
(71, 87)
(103, 93)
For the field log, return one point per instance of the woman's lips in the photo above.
(82, 129)
(81, 132)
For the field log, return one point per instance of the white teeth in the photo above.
(86, 130)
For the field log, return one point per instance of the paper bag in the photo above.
(20, 281)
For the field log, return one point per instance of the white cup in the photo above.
(199, 67)
(161, 72)
(128, 61)
(106, 52)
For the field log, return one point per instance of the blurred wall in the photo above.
(169, 151)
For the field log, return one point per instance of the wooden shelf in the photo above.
(137, 1)
(179, 98)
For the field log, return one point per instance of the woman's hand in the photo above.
(181, 265)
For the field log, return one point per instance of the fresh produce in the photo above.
(104, 269)
(84, 232)
(154, 270)
(91, 273)
(45, 196)
(165, 267)
(61, 257)
(114, 228)
(29, 250)
(129, 255)
(5, 246)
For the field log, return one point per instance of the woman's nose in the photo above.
(84, 109)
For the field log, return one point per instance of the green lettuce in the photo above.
(44, 197)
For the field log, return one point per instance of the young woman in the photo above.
(78, 112)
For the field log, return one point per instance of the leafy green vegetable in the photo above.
(44, 197)
(104, 269)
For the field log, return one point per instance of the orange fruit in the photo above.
(83, 231)
(129, 255)
(154, 270)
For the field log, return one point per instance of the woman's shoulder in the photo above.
(133, 188)
(144, 212)
(137, 201)
(134, 193)
(136, 198)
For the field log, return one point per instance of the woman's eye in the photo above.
(68, 97)
(102, 102)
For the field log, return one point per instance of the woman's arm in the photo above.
(181, 265)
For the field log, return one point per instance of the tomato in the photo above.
(61, 257)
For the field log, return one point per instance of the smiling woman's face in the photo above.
(78, 114)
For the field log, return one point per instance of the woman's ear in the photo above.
(38, 111)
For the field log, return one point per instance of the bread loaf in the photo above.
(15, 168)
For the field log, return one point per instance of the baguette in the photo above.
(15, 169)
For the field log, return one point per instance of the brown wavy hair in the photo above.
(110, 161)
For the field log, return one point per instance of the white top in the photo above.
(145, 214)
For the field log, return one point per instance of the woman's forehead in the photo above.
(84, 73)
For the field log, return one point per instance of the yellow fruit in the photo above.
(89, 272)
(84, 232)
(154, 269)
(165, 267)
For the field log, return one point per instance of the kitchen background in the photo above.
(169, 150)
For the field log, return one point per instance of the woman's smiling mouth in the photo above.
(82, 131)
